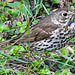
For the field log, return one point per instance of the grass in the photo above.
(63, 61)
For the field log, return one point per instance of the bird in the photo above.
(51, 33)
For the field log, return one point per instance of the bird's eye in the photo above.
(64, 14)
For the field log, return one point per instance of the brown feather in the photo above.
(40, 31)
(43, 28)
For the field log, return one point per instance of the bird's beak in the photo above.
(71, 24)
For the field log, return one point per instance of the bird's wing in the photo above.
(39, 32)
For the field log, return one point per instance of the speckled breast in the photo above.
(59, 38)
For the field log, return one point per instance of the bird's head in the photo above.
(64, 17)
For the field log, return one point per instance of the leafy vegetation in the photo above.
(22, 16)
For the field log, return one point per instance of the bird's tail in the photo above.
(11, 40)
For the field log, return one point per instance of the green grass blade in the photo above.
(13, 58)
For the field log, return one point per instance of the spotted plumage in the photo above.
(51, 33)
(59, 38)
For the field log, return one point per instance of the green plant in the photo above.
(55, 1)
(10, 11)
(16, 50)
(70, 6)
(64, 72)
